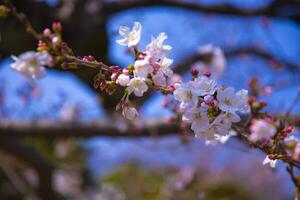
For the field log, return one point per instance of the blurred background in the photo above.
(261, 42)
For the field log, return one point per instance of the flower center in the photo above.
(189, 95)
(227, 102)
(197, 116)
(33, 62)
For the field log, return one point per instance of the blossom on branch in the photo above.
(269, 161)
(31, 64)
(138, 86)
(130, 37)
(212, 59)
(261, 129)
(130, 113)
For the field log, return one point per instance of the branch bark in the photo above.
(185, 64)
(85, 129)
(272, 10)
(103, 128)
(31, 157)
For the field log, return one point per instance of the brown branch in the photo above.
(31, 157)
(106, 128)
(84, 129)
(271, 10)
(187, 62)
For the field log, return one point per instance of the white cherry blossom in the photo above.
(130, 113)
(269, 161)
(214, 60)
(138, 86)
(205, 86)
(156, 49)
(186, 94)
(130, 37)
(142, 68)
(31, 64)
(123, 79)
(164, 73)
(261, 129)
(198, 118)
(229, 101)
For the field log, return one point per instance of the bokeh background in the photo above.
(260, 38)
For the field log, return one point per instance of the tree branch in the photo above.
(157, 127)
(185, 64)
(85, 129)
(31, 157)
(271, 10)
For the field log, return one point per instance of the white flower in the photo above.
(243, 105)
(296, 153)
(138, 86)
(142, 68)
(164, 73)
(230, 118)
(216, 130)
(198, 118)
(229, 101)
(213, 59)
(123, 80)
(130, 38)
(186, 94)
(156, 49)
(221, 139)
(31, 64)
(165, 67)
(159, 79)
(272, 163)
(261, 129)
(130, 113)
(205, 86)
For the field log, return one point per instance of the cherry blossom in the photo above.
(156, 49)
(138, 86)
(261, 129)
(213, 60)
(229, 101)
(130, 113)
(142, 68)
(269, 161)
(31, 64)
(123, 80)
(130, 37)
(186, 94)
(198, 118)
(164, 74)
(205, 86)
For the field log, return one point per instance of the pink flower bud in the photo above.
(207, 73)
(208, 98)
(123, 80)
(47, 32)
(170, 88)
(267, 90)
(125, 71)
(194, 72)
(56, 40)
(130, 113)
(56, 27)
(88, 58)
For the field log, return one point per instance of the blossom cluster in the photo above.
(151, 66)
(211, 110)
(31, 64)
